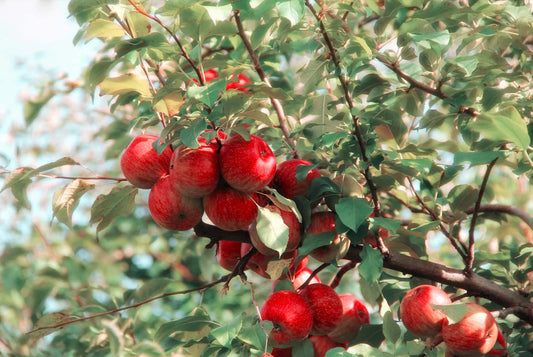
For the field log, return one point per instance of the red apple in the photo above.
(419, 316)
(195, 172)
(322, 222)
(209, 75)
(291, 315)
(228, 254)
(301, 277)
(326, 305)
(247, 166)
(474, 335)
(293, 225)
(229, 209)
(170, 209)
(241, 82)
(140, 163)
(282, 352)
(322, 344)
(285, 179)
(354, 315)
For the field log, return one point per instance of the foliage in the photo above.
(417, 113)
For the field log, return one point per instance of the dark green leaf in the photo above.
(371, 264)
(353, 211)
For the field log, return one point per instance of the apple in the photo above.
(291, 315)
(419, 316)
(170, 209)
(290, 220)
(241, 82)
(354, 315)
(259, 263)
(474, 335)
(321, 222)
(228, 254)
(285, 179)
(281, 352)
(229, 209)
(322, 344)
(326, 305)
(195, 172)
(247, 165)
(301, 277)
(140, 163)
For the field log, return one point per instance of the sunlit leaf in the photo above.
(66, 200)
(124, 84)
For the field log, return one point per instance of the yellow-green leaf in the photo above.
(123, 84)
(103, 29)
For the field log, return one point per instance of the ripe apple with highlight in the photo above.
(285, 179)
(170, 209)
(474, 335)
(140, 163)
(419, 316)
(247, 165)
(326, 305)
(229, 209)
(291, 315)
(290, 220)
(354, 315)
(195, 172)
(301, 277)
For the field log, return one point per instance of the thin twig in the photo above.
(144, 302)
(349, 101)
(340, 273)
(471, 241)
(312, 275)
(514, 211)
(283, 123)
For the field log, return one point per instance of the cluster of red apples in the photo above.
(475, 334)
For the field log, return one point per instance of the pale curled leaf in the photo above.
(66, 200)
(41, 326)
(271, 229)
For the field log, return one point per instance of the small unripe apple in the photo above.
(294, 227)
(419, 316)
(140, 163)
(170, 209)
(229, 209)
(285, 179)
(474, 335)
(291, 315)
(326, 305)
(228, 254)
(247, 165)
(322, 344)
(322, 222)
(354, 315)
(195, 172)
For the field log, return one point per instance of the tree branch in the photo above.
(144, 302)
(514, 211)
(259, 69)
(474, 284)
(471, 240)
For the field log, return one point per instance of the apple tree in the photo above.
(224, 148)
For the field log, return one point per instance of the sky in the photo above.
(36, 36)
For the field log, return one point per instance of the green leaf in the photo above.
(208, 94)
(353, 211)
(119, 202)
(52, 319)
(82, 9)
(155, 42)
(124, 84)
(313, 241)
(371, 264)
(219, 13)
(303, 349)
(196, 322)
(391, 330)
(477, 158)
(391, 225)
(151, 288)
(32, 107)
(505, 126)
(225, 334)
(103, 29)
(370, 334)
(189, 136)
(138, 24)
(291, 9)
(66, 200)
(462, 197)
(271, 229)
(454, 312)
